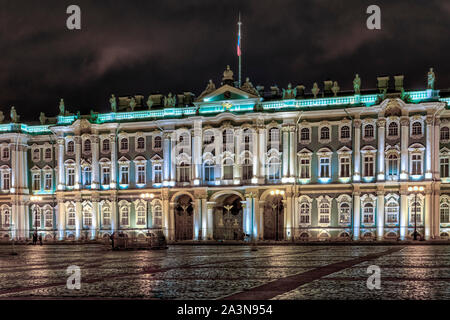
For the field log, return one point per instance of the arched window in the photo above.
(445, 133)
(157, 216)
(368, 217)
(36, 154)
(274, 167)
(247, 139)
(124, 144)
(106, 212)
(87, 146)
(71, 216)
(393, 129)
(209, 171)
(304, 134)
(305, 213)
(417, 128)
(6, 214)
(5, 154)
(228, 169)
(392, 210)
(416, 212)
(247, 169)
(105, 145)
(36, 217)
(141, 219)
(124, 216)
(345, 132)
(70, 147)
(324, 213)
(208, 137)
(141, 143)
(392, 165)
(157, 142)
(48, 153)
(274, 135)
(445, 213)
(325, 133)
(344, 213)
(368, 131)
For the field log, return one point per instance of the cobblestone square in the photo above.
(227, 272)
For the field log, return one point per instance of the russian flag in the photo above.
(239, 45)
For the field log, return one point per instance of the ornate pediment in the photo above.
(225, 93)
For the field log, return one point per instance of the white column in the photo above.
(95, 219)
(210, 220)
(78, 219)
(197, 153)
(113, 179)
(428, 213)
(428, 147)
(61, 218)
(173, 162)
(262, 154)
(357, 151)
(246, 216)
(204, 218)
(61, 171)
(14, 219)
(197, 204)
(437, 134)
(256, 160)
(77, 140)
(95, 166)
(403, 214)
(167, 160)
(356, 215)
(381, 130)
(237, 162)
(171, 218)
(288, 216)
(114, 213)
(380, 215)
(27, 221)
(285, 156)
(292, 153)
(261, 219)
(404, 148)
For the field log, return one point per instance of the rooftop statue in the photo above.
(335, 88)
(169, 101)
(209, 88)
(113, 103)
(431, 79)
(357, 84)
(2, 116)
(149, 102)
(228, 74)
(248, 87)
(61, 107)
(42, 118)
(14, 116)
(289, 93)
(132, 103)
(315, 90)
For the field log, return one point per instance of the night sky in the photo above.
(143, 47)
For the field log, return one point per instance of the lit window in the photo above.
(324, 167)
(141, 216)
(345, 167)
(305, 213)
(344, 213)
(445, 213)
(393, 129)
(124, 175)
(157, 216)
(368, 166)
(209, 171)
(392, 212)
(416, 161)
(36, 181)
(124, 215)
(392, 165)
(324, 213)
(105, 175)
(141, 174)
(368, 213)
(70, 177)
(71, 216)
(157, 169)
(106, 216)
(305, 168)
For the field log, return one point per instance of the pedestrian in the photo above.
(40, 239)
(34, 238)
(112, 240)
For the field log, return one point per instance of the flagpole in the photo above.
(239, 56)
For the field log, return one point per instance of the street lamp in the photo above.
(35, 212)
(277, 206)
(147, 195)
(415, 190)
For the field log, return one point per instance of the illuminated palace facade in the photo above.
(234, 163)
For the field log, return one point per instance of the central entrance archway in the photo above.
(184, 218)
(228, 217)
(274, 218)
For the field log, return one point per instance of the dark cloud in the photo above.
(128, 47)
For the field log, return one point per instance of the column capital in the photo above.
(210, 204)
(381, 122)
(77, 139)
(404, 121)
(429, 120)
(380, 192)
(356, 193)
(357, 123)
(61, 141)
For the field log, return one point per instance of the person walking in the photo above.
(40, 239)
(34, 238)
(112, 240)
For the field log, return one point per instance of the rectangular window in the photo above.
(158, 173)
(123, 175)
(141, 174)
(87, 179)
(36, 181)
(6, 181)
(416, 160)
(445, 168)
(70, 177)
(106, 176)
(228, 172)
(48, 179)
(324, 167)
(368, 166)
(305, 165)
(345, 167)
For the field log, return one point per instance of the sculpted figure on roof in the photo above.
(169, 101)
(248, 87)
(228, 74)
(2, 117)
(149, 102)
(42, 118)
(315, 90)
(357, 84)
(61, 107)
(289, 93)
(132, 103)
(113, 103)
(209, 88)
(431, 79)
(14, 116)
